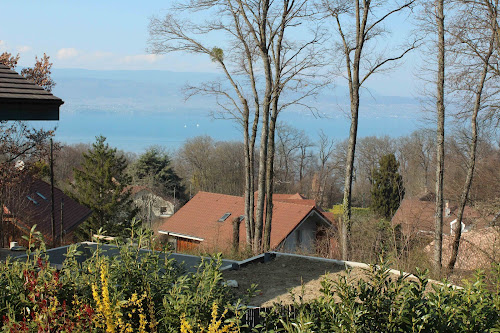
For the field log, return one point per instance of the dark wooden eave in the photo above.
(23, 100)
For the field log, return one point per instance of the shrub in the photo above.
(136, 291)
(384, 303)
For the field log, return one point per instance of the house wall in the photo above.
(186, 244)
(151, 205)
(302, 238)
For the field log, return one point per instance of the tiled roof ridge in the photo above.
(221, 194)
(295, 203)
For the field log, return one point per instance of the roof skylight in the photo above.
(224, 217)
(32, 200)
(41, 196)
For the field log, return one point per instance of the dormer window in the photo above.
(241, 218)
(224, 217)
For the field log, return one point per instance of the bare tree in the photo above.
(325, 152)
(474, 34)
(257, 50)
(440, 111)
(416, 155)
(237, 62)
(359, 23)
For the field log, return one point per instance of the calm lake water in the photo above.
(135, 131)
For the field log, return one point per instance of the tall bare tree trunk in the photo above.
(438, 223)
(353, 41)
(266, 106)
(349, 170)
(261, 182)
(354, 85)
(472, 160)
(248, 185)
(236, 234)
(270, 176)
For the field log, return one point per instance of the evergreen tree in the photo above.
(100, 184)
(387, 188)
(154, 169)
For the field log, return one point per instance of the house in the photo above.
(29, 202)
(207, 221)
(416, 216)
(153, 208)
(478, 249)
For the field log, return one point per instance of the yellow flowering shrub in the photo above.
(216, 324)
(110, 313)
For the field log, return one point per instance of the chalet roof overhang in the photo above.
(24, 100)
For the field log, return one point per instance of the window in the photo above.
(32, 200)
(163, 210)
(41, 196)
(224, 217)
(242, 217)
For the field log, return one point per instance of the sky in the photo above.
(88, 34)
(111, 34)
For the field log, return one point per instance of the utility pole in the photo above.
(52, 208)
(62, 219)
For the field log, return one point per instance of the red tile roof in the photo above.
(37, 210)
(417, 215)
(478, 249)
(199, 218)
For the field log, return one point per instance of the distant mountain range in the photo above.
(162, 91)
(136, 109)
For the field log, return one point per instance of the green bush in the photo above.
(140, 292)
(136, 291)
(384, 303)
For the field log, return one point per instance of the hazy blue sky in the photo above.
(113, 34)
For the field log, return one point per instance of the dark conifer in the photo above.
(154, 169)
(387, 189)
(100, 184)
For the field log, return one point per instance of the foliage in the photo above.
(338, 210)
(385, 303)
(139, 292)
(154, 169)
(40, 73)
(216, 324)
(387, 188)
(100, 184)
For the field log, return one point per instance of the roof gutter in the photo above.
(174, 234)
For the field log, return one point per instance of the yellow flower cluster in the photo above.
(109, 313)
(215, 326)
